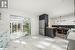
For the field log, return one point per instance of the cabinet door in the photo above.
(50, 33)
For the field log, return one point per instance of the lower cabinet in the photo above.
(50, 32)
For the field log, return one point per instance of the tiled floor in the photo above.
(37, 43)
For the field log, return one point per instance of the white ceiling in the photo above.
(35, 7)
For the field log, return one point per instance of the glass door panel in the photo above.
(27, 26)
(15, 27)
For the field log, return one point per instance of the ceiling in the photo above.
(54, 8)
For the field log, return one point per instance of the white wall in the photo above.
(54, 8)
(4, 23)
(35, 25)
(51, 22)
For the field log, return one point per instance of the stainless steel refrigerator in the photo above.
(43, 23)
(42, 27)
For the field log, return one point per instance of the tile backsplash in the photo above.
(65, 21)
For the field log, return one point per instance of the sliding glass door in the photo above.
(15, 27)
(27, 26)
(20, 26)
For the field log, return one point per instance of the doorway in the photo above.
(19, 26)
(15, 27)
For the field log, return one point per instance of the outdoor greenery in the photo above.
(26, 27)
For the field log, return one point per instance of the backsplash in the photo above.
(65, 21)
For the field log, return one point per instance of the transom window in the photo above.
(3, 3)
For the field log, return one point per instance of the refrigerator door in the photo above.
(42, 24)
(42, 27)
(42, 32)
